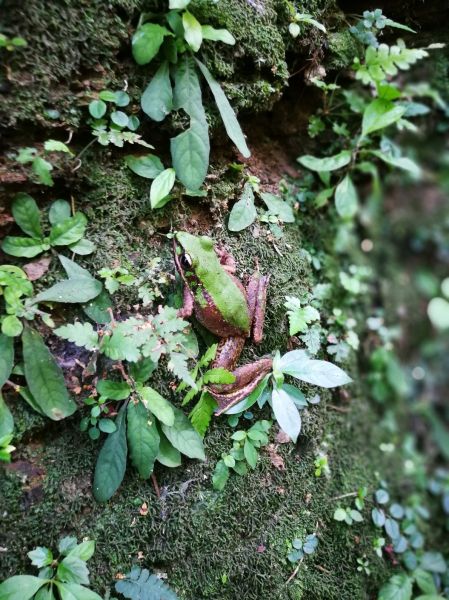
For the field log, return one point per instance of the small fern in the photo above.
(140, 585)
(386, 60)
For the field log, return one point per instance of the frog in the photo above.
(226, 307)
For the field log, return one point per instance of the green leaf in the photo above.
(107, 426)
(286, 413)
(220, 476)
(42, 168)
(140, 585)
(299, 317)
(339, 514)
(68, 231)
(81, 334)
(250, 454)
(329, 163)
(72, 269)
(180, 4)
(73, 291)
(193, 33)
(84, 551)
(161, 187)
(157, 99)
(227, 113)
(398, 587)
(346, 199)
(83, 247)
(425, 582)
(45, 593)
(113, 390)
(385, 60)
(168, 455)
(40, 557)
(187, 92)
(278, 207)
(433, 562)
(190, 154)
(73, 570)
(217, 35)
(20, 587)
(143, 438)
(23, 247)
(316, 372)
(202, 412)
(111, 463)
(6, 419)
(27, 215)
(148, 166)
(11, 326)
(119, 118)
(56, 146)
(97, 109)
(379, 114)
(59, 211)
(74, 591)
(97, 308)
(218, 375)
(243, 213)
(158, 405)
(184, 437)
(6, 358)
(401, 162)
(146, 42)
(44, 377)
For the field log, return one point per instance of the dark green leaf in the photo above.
(190, 154)
(20, 587)
(68, 231)
(220, 476)
(23, 247)
(44, 377)
(27, 215)
(148, 166)
(157, 99)
(111, 463)
(143, 438)
(6, 358)
(202, 412)
(113, 390)
(227, 113)
(142, 370)
(74, 290)
(74, 591)
(168, 455)
(6, 419)
(158, 405)
(187, 92)
(97, 308)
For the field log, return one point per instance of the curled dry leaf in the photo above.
(37, 268)
(275, 458)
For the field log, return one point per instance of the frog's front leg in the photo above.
(188, 303)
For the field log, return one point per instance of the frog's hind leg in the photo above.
(256, 292)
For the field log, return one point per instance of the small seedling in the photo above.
(300, 547)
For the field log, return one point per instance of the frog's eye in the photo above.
(186, 261)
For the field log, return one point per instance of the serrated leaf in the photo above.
(56, 146)
(23, 247)
(243, 213)
(178, 364)
(218, 375)
(140, 585)
(73, 570)
(157, 99)
(158, 405)
(346, 198)
(27, 215)
(286, 413)
(329, 163)
(143, 438)
(183, 436)
(202, 412)
(111, 463)
(113, 390)
(42, 169)
(40, 556)
(398, 587)
(20, 587)
(81, 334)
(45, 378)
(227, 113)
(69, 231)
(120, 347)
(193, 33)
(146, 42)
(148, 166)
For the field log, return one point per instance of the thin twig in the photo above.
(338, 408)
(295, 572)
(155, 485)
(349, 495)
(320, 568)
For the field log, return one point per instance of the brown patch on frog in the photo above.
(32, 475)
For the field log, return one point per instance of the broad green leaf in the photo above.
(220, 476)
(107, 426)
(111, 463)
(83, 247)
(217, 35)
(97, 109)
(190, 154)
(168, 455)
(74, 591)
(178, 4)
(143, 438)
(67, 544)
(243, 213)
(227, 113)
(40, 557)
(45, 378)
(23, 247)
(113, 390)
(72, 269)
(148, 166)
(59, 211)
(286, 413)
(68, 231)
(119, 118)
(6, 419)
(20, 587)
(193, 34)
(146, 42)
(142, 370)
(81, 334)
(398, 587)
(379, 114)
(296, 395)
(45, 593)
(27, 215)
(73, 570)
(11, 326)
(277, 206)
(157, 99)
(401, 162)
(84, 551)
(97, 308)
(329, 163)
(184, 437)
(346, 199)
(158, 405)
(56, 146)
(161, 187)
(316, 372)
(74, 290)
(27, 396)
(42, 169)
(425, 582)
(433, 562)
(187, 91)
(250, 454)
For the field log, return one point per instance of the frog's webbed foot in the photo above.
(247, 378)
(226, 260)
(256, 292)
